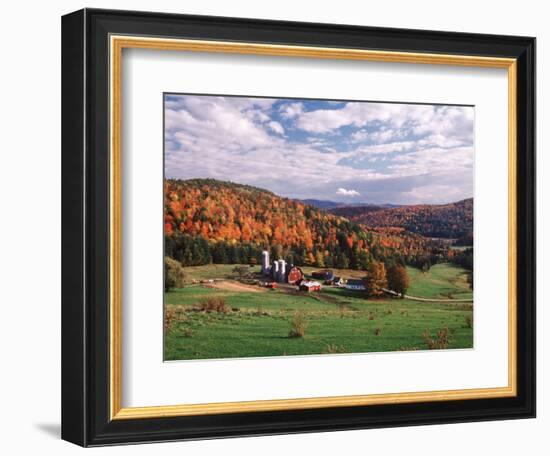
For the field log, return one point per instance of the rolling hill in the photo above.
(207, 220)
(451, 221)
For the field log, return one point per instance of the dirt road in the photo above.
(416, 298)
(235, 286)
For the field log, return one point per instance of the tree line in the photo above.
(197, 251)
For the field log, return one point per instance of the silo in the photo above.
(282, 271)
(275, 270)
(265, 262)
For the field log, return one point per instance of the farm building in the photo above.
(281, 276)
(295, 275)
(310, 285)
(355, 284)
(281, 271)
(266, 269)
(275, 270)
(323, 275)
(278, 271)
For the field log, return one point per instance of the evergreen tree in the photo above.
(342, 261)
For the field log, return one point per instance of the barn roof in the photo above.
(310, 283)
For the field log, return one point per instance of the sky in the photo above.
(351, 152)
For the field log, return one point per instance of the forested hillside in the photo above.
(452, 221)
(207, 221)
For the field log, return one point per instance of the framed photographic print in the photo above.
(279, 227)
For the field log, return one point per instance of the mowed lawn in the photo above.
(258, 322)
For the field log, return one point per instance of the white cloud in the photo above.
(359, 135)
(291, 110)
(344, 192)
(387, 148)
(447, 126)
(360, 114)
(276, 127)
(202, 122)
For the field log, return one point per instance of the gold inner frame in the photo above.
(117, 44)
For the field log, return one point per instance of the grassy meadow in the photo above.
(256, 321)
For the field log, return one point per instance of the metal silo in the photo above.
(265, 262)
(275, 270)
(281, 271)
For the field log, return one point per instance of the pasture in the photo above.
(256, 322)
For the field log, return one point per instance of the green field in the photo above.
(257, 321)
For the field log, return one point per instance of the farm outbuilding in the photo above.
(323, 275)
(355, 284)
(310, 285)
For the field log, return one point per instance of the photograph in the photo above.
(316, 227)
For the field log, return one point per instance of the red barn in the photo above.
(295, 275)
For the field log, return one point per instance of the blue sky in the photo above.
(352, 152)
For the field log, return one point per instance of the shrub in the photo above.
(213, 304)
(298, 325)
(440, 341)
(407, 348)
(333, 349)
(241, 271)
(342, 308)
(174, 274)
(187, 332)
(169, 319)
(377, 331)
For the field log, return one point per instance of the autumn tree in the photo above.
(376, 279)
(174, 274)
(309, 259)
(319, 259)
(398, 279)
(277, 252)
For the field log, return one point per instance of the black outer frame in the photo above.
(85, 227)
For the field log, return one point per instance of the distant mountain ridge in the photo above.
(328, 205)
(452, 220)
